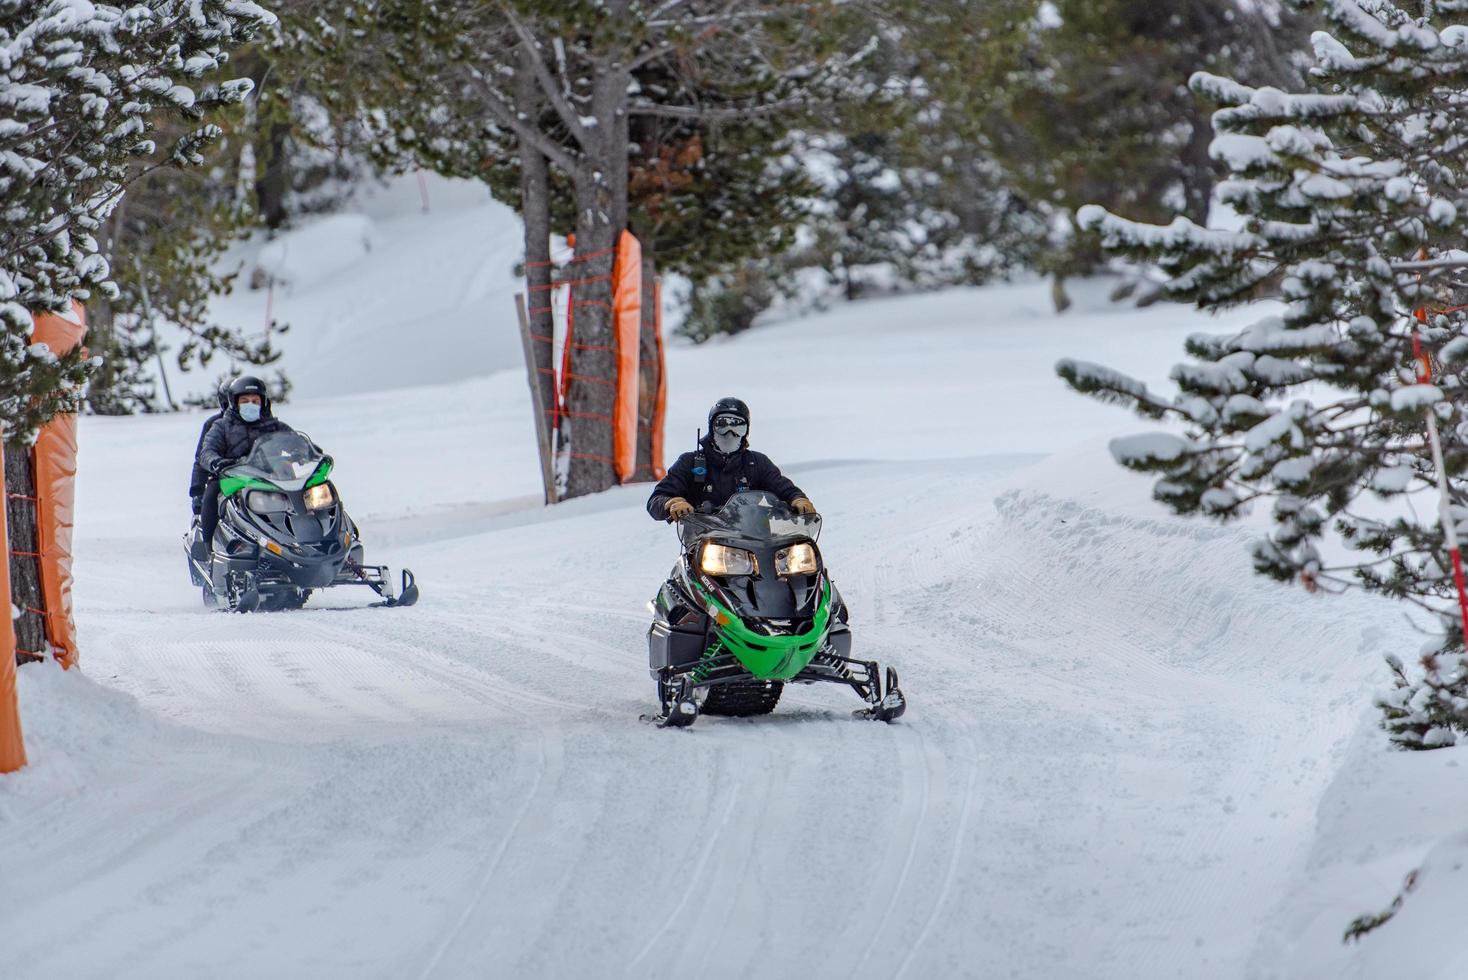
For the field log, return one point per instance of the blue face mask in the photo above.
(250, 412)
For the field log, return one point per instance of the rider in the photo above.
(230, 439)
(731, 467)
(199, 478)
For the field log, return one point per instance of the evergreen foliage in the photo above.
(1320, 411)
(1427, 711)
(1082, 102)
(82, 87)
(164, 243)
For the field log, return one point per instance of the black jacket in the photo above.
(727, 475)
(232, 438)
(199, 477)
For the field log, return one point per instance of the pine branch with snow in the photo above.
(81, 87)
(1342, 189)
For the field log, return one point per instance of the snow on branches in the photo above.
(81, 84)
(1351, 196)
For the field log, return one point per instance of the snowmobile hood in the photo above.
(771, 657)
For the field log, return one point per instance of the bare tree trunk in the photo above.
(25, 568)
(535, 195)
(102, 325)
(1198, 169)
(275, 183)
(601, 214)
(649, 373)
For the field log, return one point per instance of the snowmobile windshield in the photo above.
(755, 516)
(284, 457)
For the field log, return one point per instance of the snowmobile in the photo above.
(749, 608)
(283, 533)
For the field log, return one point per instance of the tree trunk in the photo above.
(1197, 165)
(601, 214)
(591, 387)
(1058, 295)
(535, 207)
(25, 568)
(649, 370)
(275, 183)
(102, 326)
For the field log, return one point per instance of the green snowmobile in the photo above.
(283, 532)
(749, 608)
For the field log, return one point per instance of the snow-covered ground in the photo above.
(1123, 755)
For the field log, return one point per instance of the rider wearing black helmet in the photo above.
(729, 465)
(199, 477)
(229, 440)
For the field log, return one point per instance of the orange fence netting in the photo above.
(55, 469)
(626, 288)
(627, 328)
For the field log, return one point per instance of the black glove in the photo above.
(223, 463)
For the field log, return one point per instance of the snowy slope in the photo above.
(1117, 744)
(385, 295)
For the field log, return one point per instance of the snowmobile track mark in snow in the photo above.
(894, 893)
(694, 878)
(951, 873)
(552, 761)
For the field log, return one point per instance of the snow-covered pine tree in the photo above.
(1340, 189)
(81, 85)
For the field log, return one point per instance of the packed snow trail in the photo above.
(1116, 741)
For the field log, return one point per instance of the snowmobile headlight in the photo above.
(798, 559)
(718, 559)
(319, 497)
(268, 502)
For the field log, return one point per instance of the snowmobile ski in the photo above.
(890, 706)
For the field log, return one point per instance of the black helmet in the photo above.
(223, 393)
(249, 385)
(728, 406)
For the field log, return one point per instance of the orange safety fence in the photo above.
(12, 747)
(54, 456)
(627, 329)
(561, 408)
(626, 307)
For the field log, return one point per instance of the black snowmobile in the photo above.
(749, 608)
(283, 533)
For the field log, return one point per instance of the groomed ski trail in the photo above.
(1116, 742)
(423, 792)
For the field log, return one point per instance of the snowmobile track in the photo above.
(915, 825)
(694, 878)
(544, 762)
(940, 902)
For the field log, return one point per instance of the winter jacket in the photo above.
(200, 476)
(232, 438)
(727, 475)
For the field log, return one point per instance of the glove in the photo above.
(678, 508)
(222, 464)
(803, 505)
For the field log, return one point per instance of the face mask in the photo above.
(250, 412)
(728, 442)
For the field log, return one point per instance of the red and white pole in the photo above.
(1444, 505)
